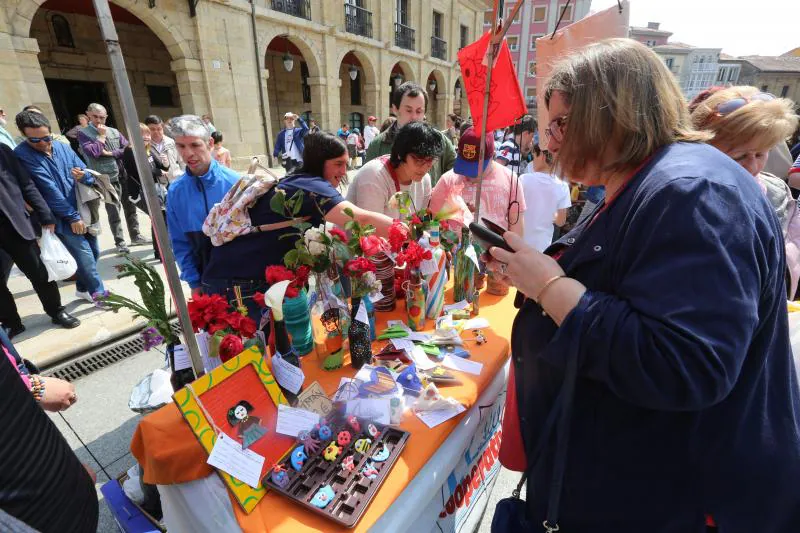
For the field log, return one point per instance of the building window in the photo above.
(539, 13)
(306, 116)
(402, 12)
(304, 82)
(62, 31)
(764, 88)
(531, 69)
(355, 90)
(356, 120)
(464, 36)
(668, 62)
(733, 72)
(517, 18)
(567, 10)
(487, 18)
(513, 42)
(721, 76)
(530, 95)
(784, 91)
(437, 24)
(533, 42)
(160, 96)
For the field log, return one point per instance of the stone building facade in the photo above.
(777, 75)
(203, 56)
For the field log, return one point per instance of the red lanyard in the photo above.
(625, 183)
(393, 173)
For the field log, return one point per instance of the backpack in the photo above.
(230, 218)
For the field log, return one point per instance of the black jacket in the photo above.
(16, 188)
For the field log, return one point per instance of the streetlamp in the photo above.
(397, 79)
(353, 71)
(431, 84)
(288, 62)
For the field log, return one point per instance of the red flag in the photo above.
(506, 103)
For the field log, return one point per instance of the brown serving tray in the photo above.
(353, 492)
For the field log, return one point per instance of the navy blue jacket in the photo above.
(687, 399)
(16, 188)
(298, 139)
(189, 200)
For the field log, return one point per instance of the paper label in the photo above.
(403, 344)
(416, 336)
(434, 418)
(473, 256)
(429, 267)
(347, 390)
(421, 359)
(314, 399)
(182, 359)
(397, 324)
(376, 296)
(464, 365)
(475, 323)
(288, 376)
(362, 315)
(375, 409)
(228, 456)
(456, 306)
(291, 420)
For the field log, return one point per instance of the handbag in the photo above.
(510, 514)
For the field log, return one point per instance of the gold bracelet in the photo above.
(546, 286)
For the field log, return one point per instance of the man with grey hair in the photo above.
(192, 195)
(103, 146)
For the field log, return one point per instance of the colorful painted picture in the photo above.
(241, 398)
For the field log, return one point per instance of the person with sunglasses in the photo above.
(55, 169)
(653, 378)
(416, 148)
(747, 124)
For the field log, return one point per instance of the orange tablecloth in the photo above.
(169, 452)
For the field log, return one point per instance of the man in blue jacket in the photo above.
(289, 144)
(192, 195)
(55, 169)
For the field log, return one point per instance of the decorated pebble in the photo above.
(298, 458)
(332, 452)
(323, 497)
(354, 424)
(279, 476)
(348, 463)
(325, 432)
(362, 445)
(381, 454)
(343, 438)
(369, 471)
(373, 431)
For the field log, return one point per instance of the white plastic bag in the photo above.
(56, 258)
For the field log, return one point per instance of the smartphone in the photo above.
(488, 237)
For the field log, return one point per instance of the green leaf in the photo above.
(349, 212)
(350, 225)
(303, 226)
(277, 203)
(290, 259)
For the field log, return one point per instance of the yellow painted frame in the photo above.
(247, 496)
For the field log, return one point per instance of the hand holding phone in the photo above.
(490, 234)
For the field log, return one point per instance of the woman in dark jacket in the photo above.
(668, 305)
(133, 184)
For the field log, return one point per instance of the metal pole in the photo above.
(261, 97)
(121, 82)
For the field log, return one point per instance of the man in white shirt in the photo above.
(547, 199)
(370, 131)
(164, 148)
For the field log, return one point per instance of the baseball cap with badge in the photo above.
(469, 151)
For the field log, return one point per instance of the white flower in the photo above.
(316, 248)
(394, 201)
(312, 235)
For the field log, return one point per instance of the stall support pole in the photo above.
(123, 86)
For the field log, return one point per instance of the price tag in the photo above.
(287, 375)
(362, 315)
(473, 256)
(228, 456)
(291, 420)
(182, 359)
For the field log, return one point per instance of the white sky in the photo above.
(739, 27)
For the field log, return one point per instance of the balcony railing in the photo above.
(297, 8)
(358, 20)
(438, 48)
(404, 36)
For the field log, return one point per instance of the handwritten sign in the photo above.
(288, 376)
(291, 420)
(314, 399)
(244, 465)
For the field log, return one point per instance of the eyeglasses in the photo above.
(422, 160)
(726, 108)
(36, 140)
(556, 128)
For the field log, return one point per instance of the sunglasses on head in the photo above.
(35, 140)
(726, 108)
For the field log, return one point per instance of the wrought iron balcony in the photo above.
(404, 36)
(438, 48)
(358, 20)
(297, 8)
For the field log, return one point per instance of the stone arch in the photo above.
(307, 48)
(405, 68)
(367, 63)
(161, 26)
(365, 102)
(438, 98)
(459, 94)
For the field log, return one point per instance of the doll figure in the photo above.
(310, 443)
(247, 427)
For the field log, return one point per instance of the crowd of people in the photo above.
(653, 386)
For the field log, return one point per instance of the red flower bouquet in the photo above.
(371, 245)
(399, 235)
(413, 255)
(276, 273)
(230, 347)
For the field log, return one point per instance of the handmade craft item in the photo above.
(248, 427)
(381, 383)
(324, 432)
(381, 454)
(409, 380)
(348, 464)
(436, 280)
(332, 452)
(369, 471)
(279, 475)
(323, 497)
(362, 445)
(298, 458)
(373, 431)
(309, 442)
(343, 438)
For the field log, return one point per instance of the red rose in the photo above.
(217, 325)
(247, 327)
(358, 266)
(338, 234)
(230, 347)
(276, 273)
(415, 219)
(370, 245)
(301, 276)
(398, 235)
(413, 255)
(258, 298)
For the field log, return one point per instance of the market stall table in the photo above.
(192, 495)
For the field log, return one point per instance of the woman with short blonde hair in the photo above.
(653, 376)
(747, 124)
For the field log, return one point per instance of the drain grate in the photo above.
(100, 358)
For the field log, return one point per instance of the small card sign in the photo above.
(464, 365)
(288, 376)
(314, 399)
(362, 315)
(244, 465)
(434, 418)
(463, 304)
(403, 344)
(375, 409)
(472, 254)
(291, 420)
(182, 358)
